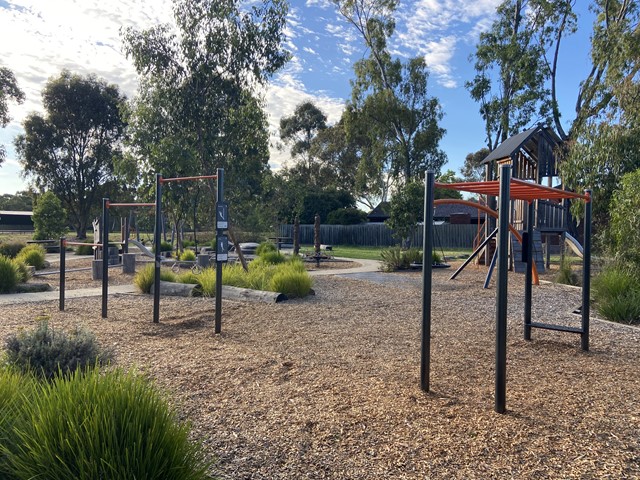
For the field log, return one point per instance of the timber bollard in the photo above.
(203, 260)
(128, 263)
(96, 269)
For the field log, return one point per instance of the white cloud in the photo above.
(431, 28)
(282, 101)
(326, 4)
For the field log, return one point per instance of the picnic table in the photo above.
(51, 246)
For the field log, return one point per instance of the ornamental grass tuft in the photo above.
(9, 274)
(33, 255)
(145, 277)
(91, 425)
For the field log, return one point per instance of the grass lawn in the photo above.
(373, 253)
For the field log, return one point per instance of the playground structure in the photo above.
(222, 224)
(534, 157)
(506, 189)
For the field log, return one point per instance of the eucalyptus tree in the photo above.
(299, 130)
(196, 108)
(605, 135)
(9, 90)
(70, 150)
(390, 101)
(511, 68)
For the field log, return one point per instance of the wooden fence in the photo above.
(379, 235)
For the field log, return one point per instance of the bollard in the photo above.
(128, 263)
(203, 260)
(96, 269)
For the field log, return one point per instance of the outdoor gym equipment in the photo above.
(505, 189)
(222, 243)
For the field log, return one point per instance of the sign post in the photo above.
(222, 243)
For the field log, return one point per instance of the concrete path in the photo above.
(367, 266)
(16, 298)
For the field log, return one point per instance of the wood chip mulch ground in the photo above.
(327, 387)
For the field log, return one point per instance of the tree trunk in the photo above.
(316, 234)
(296, 235)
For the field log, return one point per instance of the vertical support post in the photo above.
(586, 273)
(490, 222)
(219, 199)
(501, 290)
(157, 257)
(427, 248)
(125, 240)
(63, 254)
(105, 255)
(529, 273)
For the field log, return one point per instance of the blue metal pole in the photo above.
(427, 260)
(219, 232)
(105, 255)
(529, 274)
(586, 274)
(158, 254)
(501, 290)
(62, 272)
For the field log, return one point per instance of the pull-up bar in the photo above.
(109, 204)
(505, 189)
(182, 179)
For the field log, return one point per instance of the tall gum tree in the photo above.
(196, 109)
(391, 98)
(9, 90)
(70, 150)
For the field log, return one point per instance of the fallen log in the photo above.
(175, 289)
(245, 294)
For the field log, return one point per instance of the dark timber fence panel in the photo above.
(379, 235)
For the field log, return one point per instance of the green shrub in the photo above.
(207, 282)
(188, 243)
(435, 258)
(291, 282)
(259, 275)
(46, 352)
(346, 216)
(145, 277)
(392, 259)
(412, 255)
(188, 277)
(9, 274)
(33, 255)
(11, 249)
(235, 275)
(92, 425)
(84, 249)
(272, 258)
(164, 247)
(23, 270)
(565, 274)
(49, 218)
(616, 291)
(188, 256)
(266, 247)
(14, 389)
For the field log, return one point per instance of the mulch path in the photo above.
(327, 387)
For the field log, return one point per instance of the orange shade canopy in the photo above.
(519, 189)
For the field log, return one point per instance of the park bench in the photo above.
(51, 246)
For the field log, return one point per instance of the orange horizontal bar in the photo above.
(65, 243)
(109, 204)
(180, 179)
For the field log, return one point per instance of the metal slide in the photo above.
(573, 244)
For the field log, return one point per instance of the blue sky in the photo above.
(38, 38)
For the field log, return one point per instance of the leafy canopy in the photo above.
(70, 149)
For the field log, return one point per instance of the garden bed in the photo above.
(327, 386)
